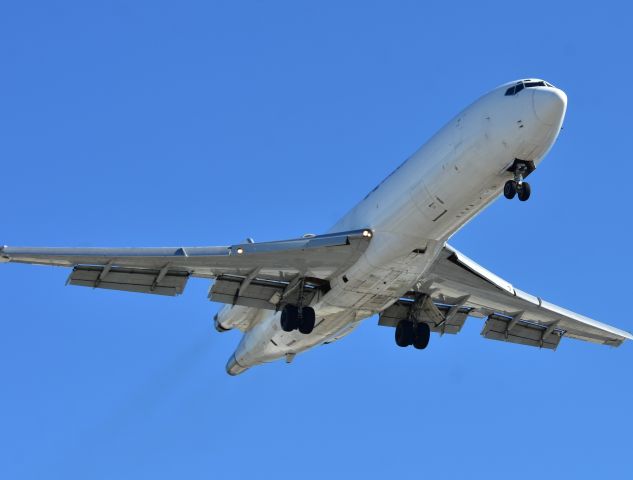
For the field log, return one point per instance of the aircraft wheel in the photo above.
(421, 336)
(289, 318)
(510, 189)
(306, 325)
(524, 191)
(404, 333)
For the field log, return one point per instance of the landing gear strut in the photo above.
(518, 186)
(412, 333)
(296, 318)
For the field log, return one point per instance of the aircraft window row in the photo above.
(526, 84)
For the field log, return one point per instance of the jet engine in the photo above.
(236, 316)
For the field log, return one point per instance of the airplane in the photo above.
(388, 256)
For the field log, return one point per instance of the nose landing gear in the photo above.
(512, 188)
(517, 186)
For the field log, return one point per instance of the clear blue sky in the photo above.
(202, 123)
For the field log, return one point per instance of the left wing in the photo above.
(457, 287)
(264, 275)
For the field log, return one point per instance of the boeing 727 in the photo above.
(388, 256)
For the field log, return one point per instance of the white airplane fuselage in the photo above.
(414, 211)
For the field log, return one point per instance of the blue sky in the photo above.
(202, 123)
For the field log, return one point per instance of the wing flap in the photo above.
(441, 318)
(129, 280)
(263, 293)
(499, 328)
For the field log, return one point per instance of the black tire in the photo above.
(421, 336)
(404, 333)
(289, 318)
(510, 189)
(524, 191)
(306, 325)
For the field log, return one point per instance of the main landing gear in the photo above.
(518, 186)
(412, 333)
(297, 318)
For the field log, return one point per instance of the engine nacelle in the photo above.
(236, 316)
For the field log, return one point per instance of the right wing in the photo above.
(458, 287)
(262, 275)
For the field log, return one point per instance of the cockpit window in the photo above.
(534, 84)
(526, 84)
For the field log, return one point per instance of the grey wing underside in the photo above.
(253, 274)
(457, 287)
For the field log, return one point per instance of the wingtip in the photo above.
(624, 336)
(3, 257)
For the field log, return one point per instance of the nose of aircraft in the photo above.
(549, 105)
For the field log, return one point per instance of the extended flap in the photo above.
(262, 293)
(130, 279)
(441, 318)
(525, 333)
